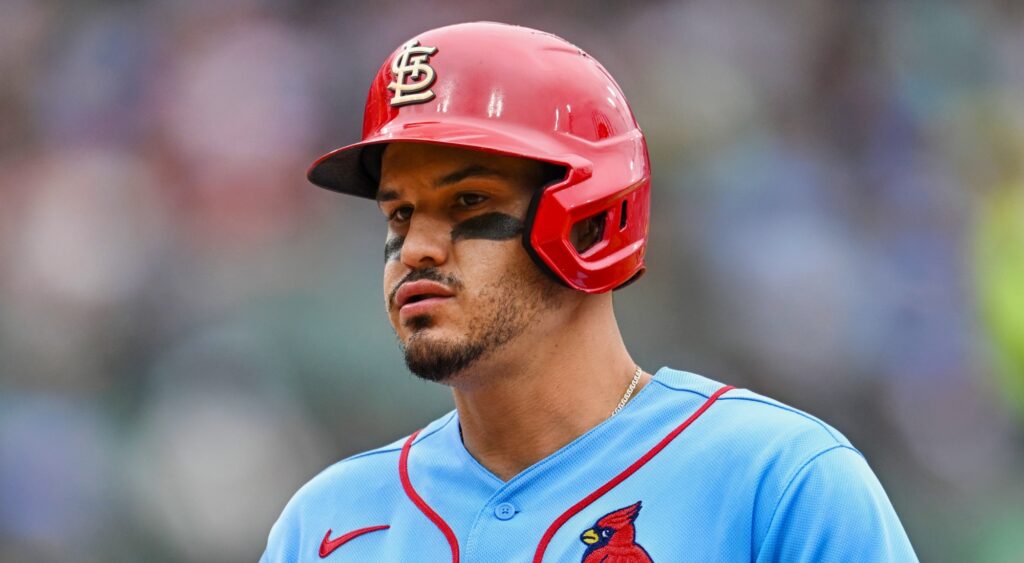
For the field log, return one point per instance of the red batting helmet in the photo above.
(517, 91)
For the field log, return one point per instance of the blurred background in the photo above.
(189, 330)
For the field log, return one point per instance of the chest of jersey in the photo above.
(677, 476)
(642, 519)
(591, 506)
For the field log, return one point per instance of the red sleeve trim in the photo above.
(403, 471)
(576, 508)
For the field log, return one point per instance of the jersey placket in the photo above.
(511, 523)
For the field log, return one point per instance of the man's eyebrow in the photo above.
(386, 195)
(467, 172)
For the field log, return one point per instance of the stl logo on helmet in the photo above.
(411, 64)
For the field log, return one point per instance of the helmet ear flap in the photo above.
(585, 235)
(639, 274)
(551, 174)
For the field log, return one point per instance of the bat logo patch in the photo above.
(613, 538)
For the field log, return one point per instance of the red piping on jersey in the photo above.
(576, 508)
(403, 471)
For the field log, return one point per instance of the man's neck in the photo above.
(521, 407)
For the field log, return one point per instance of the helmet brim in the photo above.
(347, 171)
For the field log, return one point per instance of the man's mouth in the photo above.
(417, 297)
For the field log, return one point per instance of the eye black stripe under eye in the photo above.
(393, 248)
(488, 226)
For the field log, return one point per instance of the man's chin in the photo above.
(436, 358)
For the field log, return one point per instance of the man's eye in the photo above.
(470, 199)
(401, 214)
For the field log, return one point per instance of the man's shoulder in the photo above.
(358, 469)
(356, 480)
(366, 472)
(765, 451)
(351, 482)
(750, 422)
(781, 465)
(360, 489)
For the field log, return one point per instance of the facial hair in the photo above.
(503, 311)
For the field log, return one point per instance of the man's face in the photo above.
(458, 285)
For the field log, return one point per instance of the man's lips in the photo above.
(418, 308)
(419, 291)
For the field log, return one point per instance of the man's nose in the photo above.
(427, 242)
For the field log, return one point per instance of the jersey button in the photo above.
(505, 511)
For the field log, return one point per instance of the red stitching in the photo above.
(403, 472)
(576, 508)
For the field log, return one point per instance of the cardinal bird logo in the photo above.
(613, 539)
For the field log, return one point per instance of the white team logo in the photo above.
(413, 76)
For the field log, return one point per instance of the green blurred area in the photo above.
(999, 251)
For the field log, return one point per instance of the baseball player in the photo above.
(515, 185)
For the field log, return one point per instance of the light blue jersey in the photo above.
(688, 471)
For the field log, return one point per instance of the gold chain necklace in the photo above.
(629, 391)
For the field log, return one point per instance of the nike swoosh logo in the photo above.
(329, 545)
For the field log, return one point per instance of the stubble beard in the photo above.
(506, 309)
